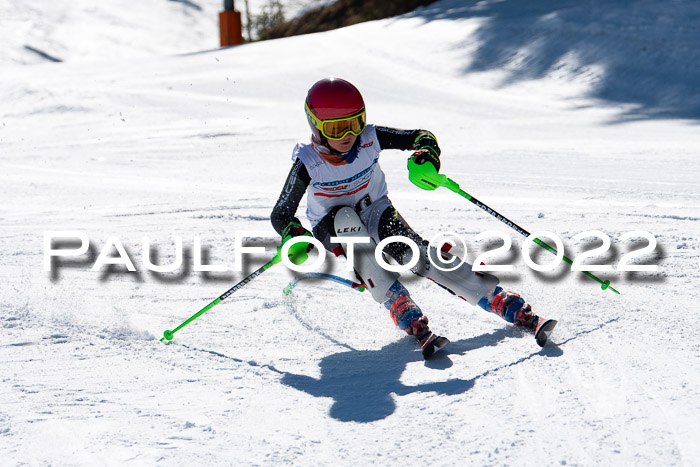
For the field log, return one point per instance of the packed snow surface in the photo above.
(36, 31)
(564, 116)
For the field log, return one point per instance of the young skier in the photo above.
(347, 197)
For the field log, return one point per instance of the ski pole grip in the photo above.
(426, 177)
(423, 176)
(297, 253)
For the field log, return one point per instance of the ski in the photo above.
(434, 344)
(543, 330)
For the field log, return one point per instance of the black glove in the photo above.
(427, 150)
(294, 229)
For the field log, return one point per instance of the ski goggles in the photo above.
(337, 128)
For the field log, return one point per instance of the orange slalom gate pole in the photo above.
(230, 28)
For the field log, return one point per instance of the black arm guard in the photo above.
(294, 188)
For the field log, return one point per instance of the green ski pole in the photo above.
(425, 176)
(297, 255)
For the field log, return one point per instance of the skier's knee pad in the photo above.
(467, 284)
(377, 279)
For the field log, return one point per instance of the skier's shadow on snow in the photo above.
(361, 382)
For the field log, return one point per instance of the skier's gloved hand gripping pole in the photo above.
(425, 176)
(298, 253)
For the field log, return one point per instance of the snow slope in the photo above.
(36, 31)
(199, 145)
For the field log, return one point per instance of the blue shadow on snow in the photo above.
(648, 50)
(362, 382)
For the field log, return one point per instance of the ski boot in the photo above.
(408, 316)
(512, 308)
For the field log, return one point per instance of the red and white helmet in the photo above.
(334, 108)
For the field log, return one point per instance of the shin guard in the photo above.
(463, 282)
(377, 279)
